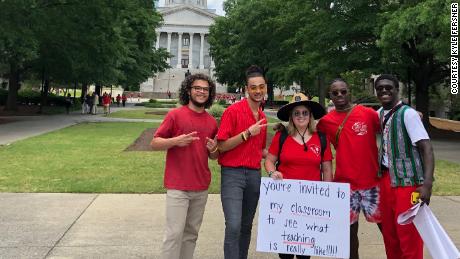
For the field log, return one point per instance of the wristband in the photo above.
(248, 133)
(243, 136)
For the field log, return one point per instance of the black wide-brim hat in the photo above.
(315, 108)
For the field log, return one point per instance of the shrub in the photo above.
(222, 102)
(171, 101)
(159, 105)
(152, 101)
(216, 111)
(29, 96)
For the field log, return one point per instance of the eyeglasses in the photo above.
(303, 113)
(200, 89)
(342, 92)
(386, 87)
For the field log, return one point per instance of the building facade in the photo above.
(184, 34)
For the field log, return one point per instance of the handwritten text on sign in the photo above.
(304, 218)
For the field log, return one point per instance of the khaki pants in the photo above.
(184, 214)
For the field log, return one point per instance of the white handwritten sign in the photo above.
(304, 218)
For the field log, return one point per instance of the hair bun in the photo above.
(254, 69)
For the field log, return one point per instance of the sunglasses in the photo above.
(386, 87)
(342, 92)
(302, 113)
(200, 89)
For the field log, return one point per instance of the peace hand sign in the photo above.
(257, 127)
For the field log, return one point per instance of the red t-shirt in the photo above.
(187, 167)
(356, 154)
(295, 162)
(236, 119)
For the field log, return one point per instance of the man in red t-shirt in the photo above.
(188, 133)
(242, 138)
(352, 130)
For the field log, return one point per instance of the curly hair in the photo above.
(186, 85)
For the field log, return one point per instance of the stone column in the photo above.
(179, 51)
(157, 45)
(201, 51)
(169, 47)
(190, 51)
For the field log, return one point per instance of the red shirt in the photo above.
(356, 153)
(106, 99)
(187, 167)
(295, 162)
(236, 119)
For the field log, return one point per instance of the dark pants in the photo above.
(240, 189)
(354, 241)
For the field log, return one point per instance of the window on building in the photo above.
(184, 63)
(185, 41)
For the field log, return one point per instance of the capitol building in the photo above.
(184, 34)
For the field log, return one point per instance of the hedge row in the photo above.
(32, 98)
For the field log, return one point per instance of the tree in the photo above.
(294, 40)
(311, 41)
(235, 45)
(102, 42)
(18, 44)
(415, 38)
(138, 31)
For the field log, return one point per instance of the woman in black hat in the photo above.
(300, 156)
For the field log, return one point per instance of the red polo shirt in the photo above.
(236, 119)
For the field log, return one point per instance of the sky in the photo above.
(216, 4)
(212, 4)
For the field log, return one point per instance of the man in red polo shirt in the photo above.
(242, 138)
(188, 134)
(352, 130)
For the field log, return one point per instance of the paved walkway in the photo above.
(24, 127)
(52, 225)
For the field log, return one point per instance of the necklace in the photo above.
(302, 136)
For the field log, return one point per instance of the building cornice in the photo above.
(165, 11)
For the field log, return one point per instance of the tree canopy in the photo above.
(306, 40)
(106, 42)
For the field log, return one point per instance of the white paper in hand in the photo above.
(434, 236)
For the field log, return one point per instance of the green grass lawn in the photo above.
(138, 114)
(87, 158)
(90, 158)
